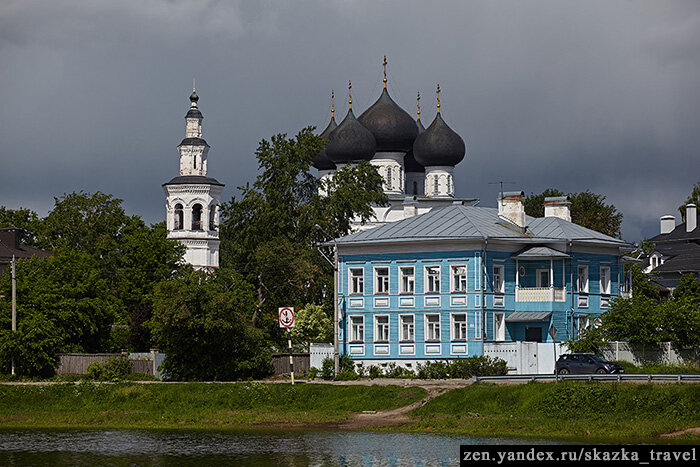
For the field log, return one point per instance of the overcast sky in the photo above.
(601, 95)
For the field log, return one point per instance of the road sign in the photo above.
(286, 316)
(553, 331)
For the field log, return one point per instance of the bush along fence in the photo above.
(80, 363)
(461, 368)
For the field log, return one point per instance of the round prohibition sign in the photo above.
(286, 317)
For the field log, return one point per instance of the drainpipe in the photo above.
(483, 289)
(571, 284)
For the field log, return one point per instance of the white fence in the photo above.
(318, 352)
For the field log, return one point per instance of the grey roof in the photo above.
(193, 180)
(459, 222)
(529, 316)
(538, 252)
(679, 233)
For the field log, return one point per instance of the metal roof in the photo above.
(459, 222)
(529, 316)
(539, 252)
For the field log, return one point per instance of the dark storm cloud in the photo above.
(576, 95)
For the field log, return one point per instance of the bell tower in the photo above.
(192, 198)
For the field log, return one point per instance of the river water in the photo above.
(295, 448)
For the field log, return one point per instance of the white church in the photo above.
(416, 163)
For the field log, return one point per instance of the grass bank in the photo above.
(192, 405)
(570, 411)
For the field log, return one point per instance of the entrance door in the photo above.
(533, 334)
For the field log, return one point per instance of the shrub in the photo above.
(478, 366)
(433, 370)
(115, 369)
(373, 371)
(94, 371)
(327, 368)
(313, 372)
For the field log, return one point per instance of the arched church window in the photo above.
(388, 178)
(179, 217)
(194, 161)
(212, 217)
(415, 187)
(436, 188)
(197, 217)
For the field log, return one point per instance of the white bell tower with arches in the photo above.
(193, 199)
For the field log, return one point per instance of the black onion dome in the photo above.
(439, 145)
(194, 97)
(409, 161)
(320, 160)
(392, 127)
(193, 113)
(350, 142)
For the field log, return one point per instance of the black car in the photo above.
(584, 363)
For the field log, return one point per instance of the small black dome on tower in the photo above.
(320, 160)
(439, 145)
(194, 97)
(392, 127)
(350, 142)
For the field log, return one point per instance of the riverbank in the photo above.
(572, 411)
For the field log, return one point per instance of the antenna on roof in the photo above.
(502, 183)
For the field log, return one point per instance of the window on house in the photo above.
(432, 279)
(583, 323)
(212, 217)
(499, 326)
(543, 278)
(197, 217)
(459, 278)
(583, 279)
(381, 328)
(498, 282)
(605, 280)
(357, 328)
(357, 281)
(407, 279)
(179, 217)
(407, 331)
(432, 327)
(381, 281)
(459, 327)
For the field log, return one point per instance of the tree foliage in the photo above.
(694, 198)
(270, 235)
(23, 218)
(647, 320)
(313, 323)
(199, 321)
(587, 209)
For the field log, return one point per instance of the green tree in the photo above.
(694, 198)
(312, 324)
(587, 209)
(25, 219)
(199, 322)
(270, 234)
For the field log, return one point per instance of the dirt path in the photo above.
(694, 431)
(386, 418)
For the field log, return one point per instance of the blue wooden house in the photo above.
(441, 284)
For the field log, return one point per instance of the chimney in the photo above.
(558, 206)
(511, 207)
(668, 223)
(691, 217)
(9, 236)
(410, 207)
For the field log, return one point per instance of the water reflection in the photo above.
(294, 448)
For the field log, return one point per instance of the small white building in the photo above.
(193, 199)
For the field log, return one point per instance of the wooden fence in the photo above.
(77, 363)
(280, 362)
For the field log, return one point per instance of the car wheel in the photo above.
(601, 371)
(564, 371)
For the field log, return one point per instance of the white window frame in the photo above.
(605, 288)
(357, 329)
(582, 288)
(385, 326)
(584, 322)
(359, 284)
(477, 271)
(432, 327)
(499, 334)
(499, 286)
(458, 329)
(538, 277)
(405, 279)
(458, 281)
(436, 282)
(378, 279)
(411, 337)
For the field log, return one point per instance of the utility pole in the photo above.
(14, 307)
(336, 349)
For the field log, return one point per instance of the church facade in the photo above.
(192, 198)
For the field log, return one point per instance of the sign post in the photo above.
(286, 318)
